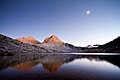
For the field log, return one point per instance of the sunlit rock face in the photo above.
(51, 44)
(29, 40)
(54, 44)
(53, 40)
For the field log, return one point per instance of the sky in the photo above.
(78, 22)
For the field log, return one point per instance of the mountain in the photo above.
(53, 39)
(29, 40)
(51, 44)
(112, 46)
(9, 46)
(54, 44)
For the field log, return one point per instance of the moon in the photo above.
(88, 12)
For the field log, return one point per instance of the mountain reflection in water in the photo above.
(60, 67)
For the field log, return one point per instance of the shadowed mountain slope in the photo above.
(12, 46)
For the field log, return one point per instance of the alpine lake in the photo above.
(60, 66)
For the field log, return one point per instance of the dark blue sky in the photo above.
(65, 18)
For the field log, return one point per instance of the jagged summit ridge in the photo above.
(53, 39)
(29, 40)
(30, 37)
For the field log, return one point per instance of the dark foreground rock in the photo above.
(110, 47)
(9, 46)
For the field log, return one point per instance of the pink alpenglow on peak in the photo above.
(29, 40)
(53, 39)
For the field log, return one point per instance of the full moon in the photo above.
(88, 12)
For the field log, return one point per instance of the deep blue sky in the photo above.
(65, 18)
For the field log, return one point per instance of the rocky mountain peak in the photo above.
(29, 40)
(112, 44)
(54, 36)
(30, 37)
(53, 39)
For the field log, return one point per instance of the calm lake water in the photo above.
(60, 67)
